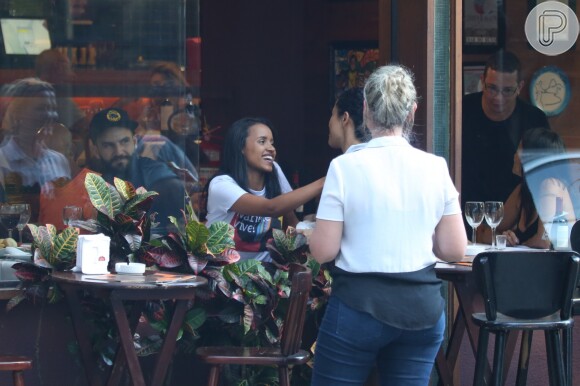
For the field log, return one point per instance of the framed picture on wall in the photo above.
(351, 63)
(472, 73)
(483, 25)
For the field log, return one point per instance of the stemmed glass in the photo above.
(25, 213)
(474, 212)
(71, 213)
(493, 216)
(9, 216)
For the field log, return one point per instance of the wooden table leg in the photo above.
(126, 339)
(166, 353)
(82, 335)
(120, 362)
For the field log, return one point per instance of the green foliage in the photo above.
(288, 247)
(122, 215)
(244, 303)
(57, 249)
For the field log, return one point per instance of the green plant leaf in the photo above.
(45, 242)
(248, 318)
(260, 299)
(280, 242)
(102, 196)
(16, 300)
(65, 245)
(195, 318)
(125, 188)
(240, 268)
(196, 237)
(133, 240)
(34, 232)
(298, 241)
(221, 237)
(52, 231)
(140, 203)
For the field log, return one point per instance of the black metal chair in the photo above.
(286, 355)
(575, 244)
(527, 290)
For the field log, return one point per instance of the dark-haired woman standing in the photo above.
(346, 129)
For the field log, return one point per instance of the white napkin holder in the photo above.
(93, 254)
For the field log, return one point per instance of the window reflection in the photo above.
(97, 60)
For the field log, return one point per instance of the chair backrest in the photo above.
(575, 237)
(296, 314)
(527, 284)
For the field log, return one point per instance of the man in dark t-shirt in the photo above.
(494, 121)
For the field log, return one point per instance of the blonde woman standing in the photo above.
(386, 213)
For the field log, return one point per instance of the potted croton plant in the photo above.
(244, 302)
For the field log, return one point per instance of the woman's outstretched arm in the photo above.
(260, 206)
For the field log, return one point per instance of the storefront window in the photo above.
(77, 76)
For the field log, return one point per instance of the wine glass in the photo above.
(9, 216)
(474, 212)
(71, 213)
(25, 213)
(493, 216)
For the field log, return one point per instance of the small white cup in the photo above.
(501, 241)
(130, 268)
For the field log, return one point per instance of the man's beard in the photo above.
(118, 170)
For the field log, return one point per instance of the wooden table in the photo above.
(116, 292)
(469, 302)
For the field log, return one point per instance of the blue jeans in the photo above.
(351, 342)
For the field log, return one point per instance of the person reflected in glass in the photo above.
(522, 223)
(112, 134)
(27, 165)
(494, 121)
(250, 191)
(54, 67)
(166, 81)
(384, 232)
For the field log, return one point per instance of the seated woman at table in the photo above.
(385, 231)
(521, 222)
(250, 191)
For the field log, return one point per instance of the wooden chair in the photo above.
(528, 290)
(16, 364)
(289, 352)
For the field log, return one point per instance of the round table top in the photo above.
(150, 280)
